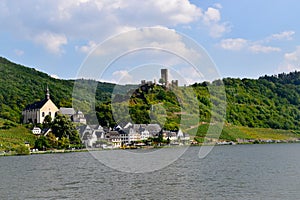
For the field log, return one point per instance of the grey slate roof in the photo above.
(36, 105)
(67, 111)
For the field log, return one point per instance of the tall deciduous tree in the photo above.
(47, 121)
(62, 127)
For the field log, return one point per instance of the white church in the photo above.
(36, 112)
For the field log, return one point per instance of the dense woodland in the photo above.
(268, 102)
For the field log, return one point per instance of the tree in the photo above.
(22, 150)
(53, 142)
(64, 143)
(62, 127)
(41, 143)
(47, 121)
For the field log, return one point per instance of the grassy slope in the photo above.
(233, 133)
(13, 137)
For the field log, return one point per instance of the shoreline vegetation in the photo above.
(60, 151)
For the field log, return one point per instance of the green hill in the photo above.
(267, 102)
(20, 86)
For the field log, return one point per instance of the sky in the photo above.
(244, 39)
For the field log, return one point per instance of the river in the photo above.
(269, 171)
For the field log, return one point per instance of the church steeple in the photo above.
(47, 96)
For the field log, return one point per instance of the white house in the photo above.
(133, 135)
(145, 135)
(77, 117)
(183, 137)
(89, 134)
(36, 131)
(113, 137)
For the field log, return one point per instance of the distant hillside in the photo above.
(20, 86)
(268, 102)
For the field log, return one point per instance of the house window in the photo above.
(43, 114)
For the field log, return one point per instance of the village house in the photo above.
(141, 131)
(124, 137)
(90, 134)
(133, 137)
(77, 117)
(36, 131)
(89, 139)
(36, 112)
(176, 137)
(113, 137)
(183, 137)
(145, 134)
(171, 135)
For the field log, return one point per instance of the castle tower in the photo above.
(164, 76)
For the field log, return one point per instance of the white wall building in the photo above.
(35, 113)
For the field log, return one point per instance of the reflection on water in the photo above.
(228, 172)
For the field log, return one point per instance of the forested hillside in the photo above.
(269, 102)
(20, 86)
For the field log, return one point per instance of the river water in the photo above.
(228, 172)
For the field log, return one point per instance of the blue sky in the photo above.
(244, 38)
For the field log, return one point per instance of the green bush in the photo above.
(22, 150)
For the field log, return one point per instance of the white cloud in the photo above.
(291, 61)
(189, 75)
(54, 23)
(218, 5)
(285, 35)
(95, 18)
(234, 44)
(217, 30)
(159, 38)
(180, 11)
(293, 56)
(257, 48)
(211, 18)
(51, 41)
(212, 15)
(122, 77)
(86, 48)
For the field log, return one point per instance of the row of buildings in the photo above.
(95, 136)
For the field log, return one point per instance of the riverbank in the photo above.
(54, 151)
(230, 143)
